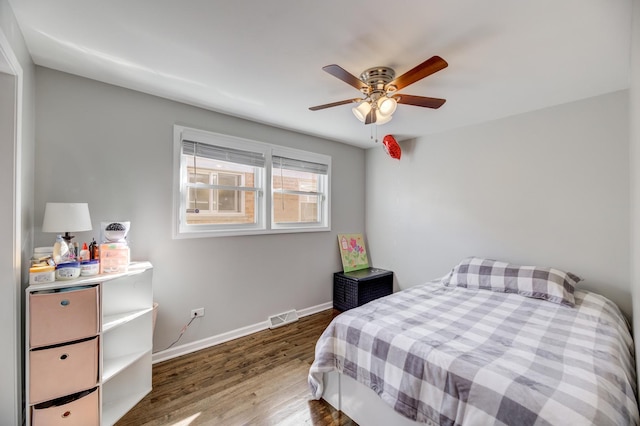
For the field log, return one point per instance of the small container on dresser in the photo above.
(355, 288)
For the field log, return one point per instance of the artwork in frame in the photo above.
(353, 252)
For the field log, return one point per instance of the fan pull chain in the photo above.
(376, 132)
(372, 132)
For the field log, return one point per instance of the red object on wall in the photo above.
(392, 147)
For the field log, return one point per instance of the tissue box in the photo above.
(114, 257)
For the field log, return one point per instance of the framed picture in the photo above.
(353, 252)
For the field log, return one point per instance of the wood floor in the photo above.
(260, 379)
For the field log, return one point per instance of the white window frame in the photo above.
(263, 184)
(324, 185)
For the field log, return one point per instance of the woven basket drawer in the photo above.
(62, 317)
(78, 410)
(62, 370)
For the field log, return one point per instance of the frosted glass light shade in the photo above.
(66, 217)
(362, 110)
(387, 106)
(382, 119)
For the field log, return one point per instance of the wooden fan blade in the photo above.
(344, 75)
(346, 101)
(428, 67)
(421, 101)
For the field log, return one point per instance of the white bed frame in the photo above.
(360, 403)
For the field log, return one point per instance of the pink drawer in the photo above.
(61, 317)
(62, 370)
(81, 410)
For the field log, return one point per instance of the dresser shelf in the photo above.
(111, 321)
(125, 390)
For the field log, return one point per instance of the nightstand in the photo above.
(355, 288)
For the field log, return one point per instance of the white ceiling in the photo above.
(263, 60)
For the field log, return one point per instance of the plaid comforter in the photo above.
(455, 356)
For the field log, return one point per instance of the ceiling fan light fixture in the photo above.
(362, 110)
(387, 106)
(382, 119)
(379, 87)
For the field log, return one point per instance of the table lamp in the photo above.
(67, 218)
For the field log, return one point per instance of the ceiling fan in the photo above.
(379, 86)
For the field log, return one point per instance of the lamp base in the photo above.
(67, 237)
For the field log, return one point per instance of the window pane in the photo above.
(295, 208)
(228, 179)
(228, 200)
(244, 215)
(295, 181)
(290, 208)
(222, 172)
(198, 177)
(199, 199)
(220, 206)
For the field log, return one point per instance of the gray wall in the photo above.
(17, 126)
(112, 147)
(550, 187)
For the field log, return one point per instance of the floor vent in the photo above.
(283, 318)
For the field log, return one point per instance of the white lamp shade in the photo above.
(382, 119)
(387, 106)
(66, 217)
(362, 110)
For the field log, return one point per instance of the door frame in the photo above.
(11, 403)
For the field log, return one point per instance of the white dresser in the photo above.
(88, 347)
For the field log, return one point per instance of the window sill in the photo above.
(246, 232)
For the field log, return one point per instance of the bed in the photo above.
(490, 343)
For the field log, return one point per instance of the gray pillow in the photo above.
(538, 282)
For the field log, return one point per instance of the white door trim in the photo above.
(13, 292)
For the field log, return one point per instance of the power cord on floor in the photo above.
(184, 328)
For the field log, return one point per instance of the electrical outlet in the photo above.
(199, 312)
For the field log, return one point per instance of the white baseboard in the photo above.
(188, 348)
